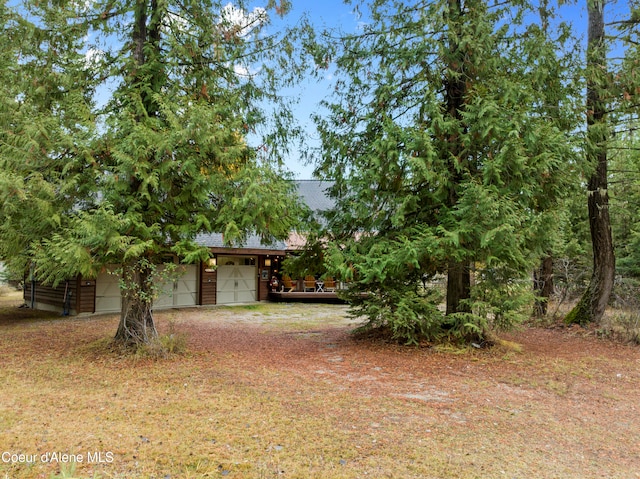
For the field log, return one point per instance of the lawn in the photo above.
(279, 390)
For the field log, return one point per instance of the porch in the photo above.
(302, 296)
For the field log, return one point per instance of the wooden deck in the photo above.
(308, 297)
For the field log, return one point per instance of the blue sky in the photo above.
(323, 14)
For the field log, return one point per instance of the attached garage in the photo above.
(231, 276)
(237, 280)
(108, 298)
(180, 292)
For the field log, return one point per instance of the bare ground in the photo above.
(285, 390)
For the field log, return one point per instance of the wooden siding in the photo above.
(263, 285)
(53, 296)
(86, 297)
(208, 285)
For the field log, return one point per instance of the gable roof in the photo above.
(216, 240)
(313, 193)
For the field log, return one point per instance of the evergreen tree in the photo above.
(445, 161)
(45, 124)
(132, 178)
(625, 202)
(557, 87)
(613, 89)
(625, 147)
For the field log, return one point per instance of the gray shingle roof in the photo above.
(215, 240)
(312, 192)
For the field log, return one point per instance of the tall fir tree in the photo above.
(444, 161)
(624, 147)
(129, 138)
(613, 89)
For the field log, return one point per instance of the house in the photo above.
(238, 274)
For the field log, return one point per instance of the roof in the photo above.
(215, 240)
(312, 192)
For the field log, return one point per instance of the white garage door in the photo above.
(236, 281)
(181, 292)
(108, 292)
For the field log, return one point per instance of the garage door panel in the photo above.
(236, 284)
(164, 291)
(180, 292)
(108, 298)
(185, 292)
(165, 295)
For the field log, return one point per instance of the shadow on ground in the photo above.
(12, 309)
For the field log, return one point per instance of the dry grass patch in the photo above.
(622, 325)
(286, 391)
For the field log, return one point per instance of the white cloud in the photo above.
(93, 57)
(240, 70)
(241, 22)
(82, 6)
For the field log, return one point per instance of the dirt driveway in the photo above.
(562, 403)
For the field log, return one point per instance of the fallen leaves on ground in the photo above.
(281, 390)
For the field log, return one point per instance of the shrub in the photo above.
(623, 325)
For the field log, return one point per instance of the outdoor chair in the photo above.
(329, 285)
(309, 283)
(288, 284)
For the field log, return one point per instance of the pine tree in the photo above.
(45, 125)
(557, 87)
(135, 176)
(444, 161)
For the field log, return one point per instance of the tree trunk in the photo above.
(137, 326)
(458, 286)
(458, 273)
(139, 33)
(595, 299)
(543, 286)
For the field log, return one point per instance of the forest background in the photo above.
(463, 139)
